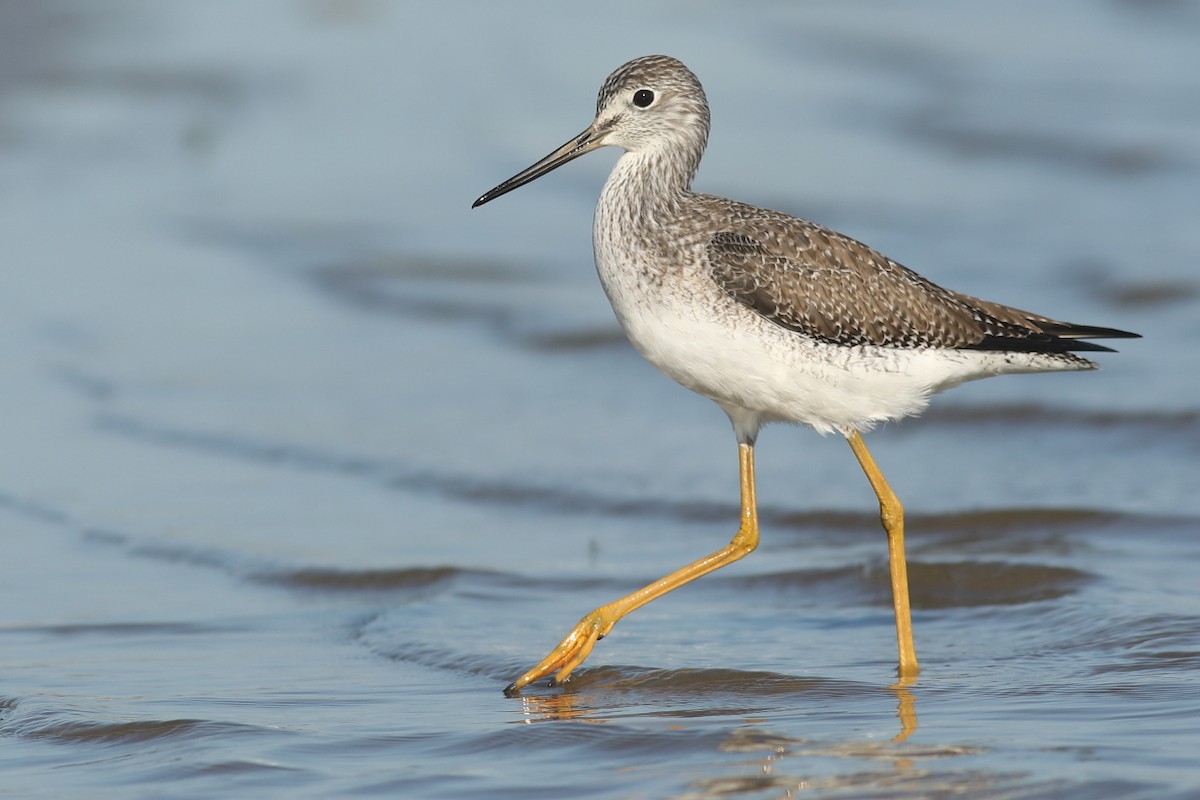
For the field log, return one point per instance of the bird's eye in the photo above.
(643, 98)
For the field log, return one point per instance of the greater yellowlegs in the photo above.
(773, 318)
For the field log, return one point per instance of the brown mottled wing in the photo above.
(836, 289)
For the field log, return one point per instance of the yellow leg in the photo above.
(891, 513)
(577, 644)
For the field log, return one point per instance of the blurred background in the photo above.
(302, 460)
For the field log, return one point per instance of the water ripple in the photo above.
(933, 585)
(55, 726)
(509, 493)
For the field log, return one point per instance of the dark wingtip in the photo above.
(1075, 337)
(1056, 337)
(1069, 331)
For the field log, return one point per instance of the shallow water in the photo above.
(303, 461)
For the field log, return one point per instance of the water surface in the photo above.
(303, 461)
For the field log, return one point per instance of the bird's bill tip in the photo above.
(585, 142)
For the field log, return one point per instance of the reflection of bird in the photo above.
(773, 318)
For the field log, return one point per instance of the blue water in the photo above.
(302, 461)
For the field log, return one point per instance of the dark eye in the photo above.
(643, 98)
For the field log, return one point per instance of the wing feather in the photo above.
(836, 289)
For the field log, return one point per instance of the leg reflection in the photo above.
(906, 708)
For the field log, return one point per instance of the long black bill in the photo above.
(585, 142)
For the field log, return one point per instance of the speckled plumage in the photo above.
(835, 289)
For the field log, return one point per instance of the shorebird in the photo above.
(773, 318)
